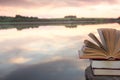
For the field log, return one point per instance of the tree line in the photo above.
(19, 18)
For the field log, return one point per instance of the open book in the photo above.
(108, 47)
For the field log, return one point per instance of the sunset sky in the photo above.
(61, 8)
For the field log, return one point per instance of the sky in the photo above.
(61, 8)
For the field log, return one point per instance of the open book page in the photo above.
(102, 38)
(117, 43)
(91, 35)
(92, 56)
(88, 55)
(110, 38)
(93, 45)
(91, 49)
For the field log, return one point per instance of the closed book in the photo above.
(106, 72)
(105, 67)
(115, 64)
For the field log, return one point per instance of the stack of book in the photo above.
(102, 67)
(104, 54)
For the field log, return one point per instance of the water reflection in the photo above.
(71, 25)
(46, 52)
(18, 27)
(36, 25)
(53, 70)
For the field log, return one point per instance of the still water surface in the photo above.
(45, 53)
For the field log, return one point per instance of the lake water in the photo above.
(45, 52)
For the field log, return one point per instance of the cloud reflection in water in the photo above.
(46, 53)
(63, 69)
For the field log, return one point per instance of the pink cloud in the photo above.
(54, 3)
(55, 8)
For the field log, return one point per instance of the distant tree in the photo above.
(33, 17)
(18, 16)
(70, 16)
(118, 18)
